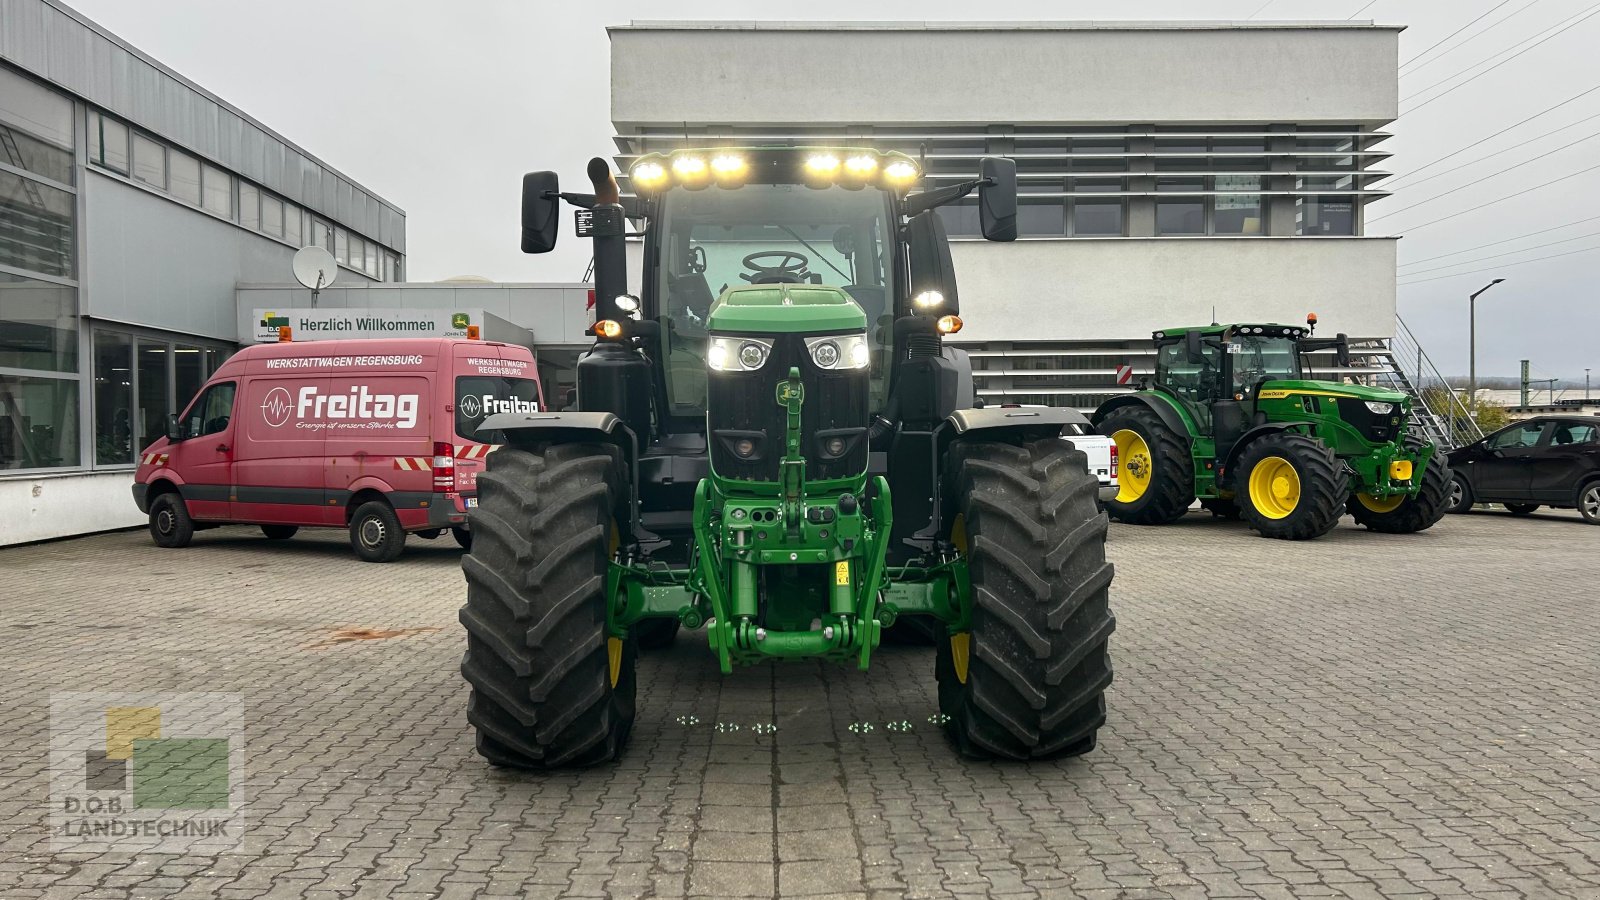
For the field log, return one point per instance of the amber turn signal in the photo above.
(607, 328)
(950, 324)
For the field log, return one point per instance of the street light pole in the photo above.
(1472, 345)
(1585, 384)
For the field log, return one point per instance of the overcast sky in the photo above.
(440, 108)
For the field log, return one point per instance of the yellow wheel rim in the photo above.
(1133, 465)
(1381, 504)
(1274, 487)
(960, 651)
(614, 657)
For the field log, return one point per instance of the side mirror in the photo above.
(174, 431)
(1192, 346)
(997, 198)
(541, 208)
(1342, 352)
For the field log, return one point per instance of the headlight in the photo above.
(847, 351)
(928, 300)
(900, 173)
(732, 354)
(648, 176)
(1382, 409)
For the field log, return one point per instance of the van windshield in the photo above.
(481, 396)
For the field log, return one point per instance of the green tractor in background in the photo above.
(771, 442)
(1231, 419)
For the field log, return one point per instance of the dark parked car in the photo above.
(1544, 461)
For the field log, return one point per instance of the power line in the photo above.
(1260, 8)
(1360, 11)
(1394, 212)
(1415, 228)
(1491, 137)
(1495, 55)
(1395, 186)
(1499, 242)
(1458, 31)
(1499, 267)
(1498, 255)
(1585, 16)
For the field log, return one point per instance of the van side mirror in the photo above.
(541, 208)
(174, 430)
(1192, 347)
(997, 198)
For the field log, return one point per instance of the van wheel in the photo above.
(279, 532)
(375, 532)
(463, 537)
(170, 525)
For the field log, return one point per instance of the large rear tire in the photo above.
(550, 687)
(1027, 681)
(1290, 487)
(1155, 474)
(1418, 512)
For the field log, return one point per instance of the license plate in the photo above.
(472, 503)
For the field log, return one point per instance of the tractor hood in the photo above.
(1284, 388)
(785, 309)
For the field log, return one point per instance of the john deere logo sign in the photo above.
(460, 320)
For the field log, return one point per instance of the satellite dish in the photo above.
(314, 267)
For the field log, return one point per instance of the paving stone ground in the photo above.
(1360, 716)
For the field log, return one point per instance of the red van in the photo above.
(377, 436)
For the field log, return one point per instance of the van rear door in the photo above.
(485, 386)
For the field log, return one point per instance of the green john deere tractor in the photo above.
(771, 442)
(1230, 418)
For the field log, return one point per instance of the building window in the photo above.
(391, 270)
(249, 206)
(36, 131)
(189, 372)
(1180, 215)
(113, 399)
(38, 325)
(149, 162)
(1097, 217)
(184, 172)
(155, 387)
(321, 235)
(36, 226)
(110, 144)
(371, 267)
(1237, 213)
(271, 215)
(1324, 215)
(341, 246)
(291, 223)
(217, 187)
(38, 422)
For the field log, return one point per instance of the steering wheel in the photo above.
(790, 268)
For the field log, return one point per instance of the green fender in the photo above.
(1175, 417)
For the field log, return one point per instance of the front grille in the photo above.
(1379, 429)
(744, 406)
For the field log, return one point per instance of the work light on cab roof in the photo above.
(821, 168)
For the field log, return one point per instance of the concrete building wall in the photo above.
(1086, 289)
(41, 507)
(1082, 72)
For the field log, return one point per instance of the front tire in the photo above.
(1417, 512)
(1589, 502)
(1290, 487)
(1521, 509)
(1155, 474)
(279, 532)
(170, 525)
(1027, 681)
(1460, 499)
(375, 532)
(551, 688)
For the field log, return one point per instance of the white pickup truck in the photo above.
(1102, 453)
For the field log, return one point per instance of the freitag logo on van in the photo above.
(473, 405)
(357, 408)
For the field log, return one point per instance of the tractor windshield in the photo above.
(1258, 358)
(713, 239)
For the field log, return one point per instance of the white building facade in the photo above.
(1169, 172)
(132, 202)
